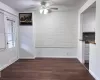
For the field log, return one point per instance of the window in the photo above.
(10, 33)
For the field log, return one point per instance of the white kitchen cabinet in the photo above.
(86, 52)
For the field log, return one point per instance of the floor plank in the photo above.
(46, 69)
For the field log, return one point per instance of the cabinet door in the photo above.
(86, 51)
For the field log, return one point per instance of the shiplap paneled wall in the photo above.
(56, 29)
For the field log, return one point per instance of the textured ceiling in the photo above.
(21, 5)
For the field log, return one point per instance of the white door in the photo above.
(11, 37)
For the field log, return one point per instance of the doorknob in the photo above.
(7, 43)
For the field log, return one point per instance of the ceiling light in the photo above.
(45, 11)
(41, 11)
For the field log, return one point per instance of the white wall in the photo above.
(27, 41)
(92, 60)
(56, 52)
(8, 56)
(89, 19)
(56, 34)
(56, 29)
(97, 54)
(55, 26)
(2, 30)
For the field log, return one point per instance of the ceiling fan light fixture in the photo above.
(47, 4)
(41, 11)
(46, 11)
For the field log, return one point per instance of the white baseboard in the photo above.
(96, 78)
(27, 58)
(56, 57)
(56, 52)
(9, 63)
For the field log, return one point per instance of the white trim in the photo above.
(86, 5)
(82, 9)
(56, 57)
(8, 9)
(48, 57)
(96, 78)
(27, 58)
(9, 63)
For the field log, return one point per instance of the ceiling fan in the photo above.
(46, 7)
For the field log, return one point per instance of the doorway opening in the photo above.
(88, 32)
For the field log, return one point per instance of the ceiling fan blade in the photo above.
(32, 8)
(54, 8)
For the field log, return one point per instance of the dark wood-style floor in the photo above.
(46, 69)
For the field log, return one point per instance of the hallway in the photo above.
(46, 69)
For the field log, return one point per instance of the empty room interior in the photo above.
(49, 40)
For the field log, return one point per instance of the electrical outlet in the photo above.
(67, 53)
